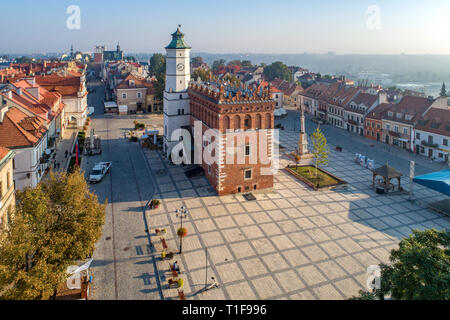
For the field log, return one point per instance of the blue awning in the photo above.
(438, 181)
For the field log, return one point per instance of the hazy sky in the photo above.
(231, 26)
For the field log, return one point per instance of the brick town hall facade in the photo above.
(234, 125)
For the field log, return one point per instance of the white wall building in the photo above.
(176, 97)
(432, 135)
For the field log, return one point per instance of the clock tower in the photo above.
(176, 97)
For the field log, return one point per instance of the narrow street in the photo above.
(123, 267)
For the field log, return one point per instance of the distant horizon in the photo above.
(252, 26)
(193, 53)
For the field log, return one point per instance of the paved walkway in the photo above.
(65, 145)
(294, 243)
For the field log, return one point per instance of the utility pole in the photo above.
(411, 181)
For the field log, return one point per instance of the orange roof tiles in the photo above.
(19, 130)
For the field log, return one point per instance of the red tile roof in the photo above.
(435, 121)
(19, 130)
(66, 85)
(139, 83)
(286, 87)
(412, 106)
(380, 111)
(3, 152)
(366, 99)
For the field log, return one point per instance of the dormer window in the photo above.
(435, 125)
(390, 114)
(408, 117)
(399, 115)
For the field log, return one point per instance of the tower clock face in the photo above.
(180, 67)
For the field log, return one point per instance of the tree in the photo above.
(203, 74)
(233, 79)
(197, 59)
(24, 59)
(278, 70)
(55, 224)
(233, 63)
(218, 64)
(182, 233)
(158, 69)
(320, 148)
(246, 64)
(443, 91)
(419, 269)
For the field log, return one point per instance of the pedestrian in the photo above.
(176, 267)
(58, 165)
(67, 153)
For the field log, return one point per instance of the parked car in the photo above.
(99, 172)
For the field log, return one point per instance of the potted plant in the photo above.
(182, 232)
(154, 204)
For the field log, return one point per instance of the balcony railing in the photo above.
(428, 144)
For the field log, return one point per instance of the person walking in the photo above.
(67, 153)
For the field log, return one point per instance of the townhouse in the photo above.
(26, 135)
(138, 94)
(373, 125)
(43, 103)
(398, 122)
(7, 194)
(315, 99)
(357, 109)
(291, 93)
(336, 105)
(432, 134)
(72, 87)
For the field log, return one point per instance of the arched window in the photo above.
(258, 123)
(268, 121)
(237, 122)
(248, 122)
(226, 123)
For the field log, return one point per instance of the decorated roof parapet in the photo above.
(225, 92)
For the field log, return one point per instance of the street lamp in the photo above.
(182, 213)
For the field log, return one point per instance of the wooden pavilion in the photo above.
(387, 173)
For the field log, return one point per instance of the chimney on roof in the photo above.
(35, 92)
(19, 91)
(382, 97)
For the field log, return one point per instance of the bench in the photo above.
(164, 243)
(181, 295)
(174, 272)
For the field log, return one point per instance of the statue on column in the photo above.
(305, 157)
